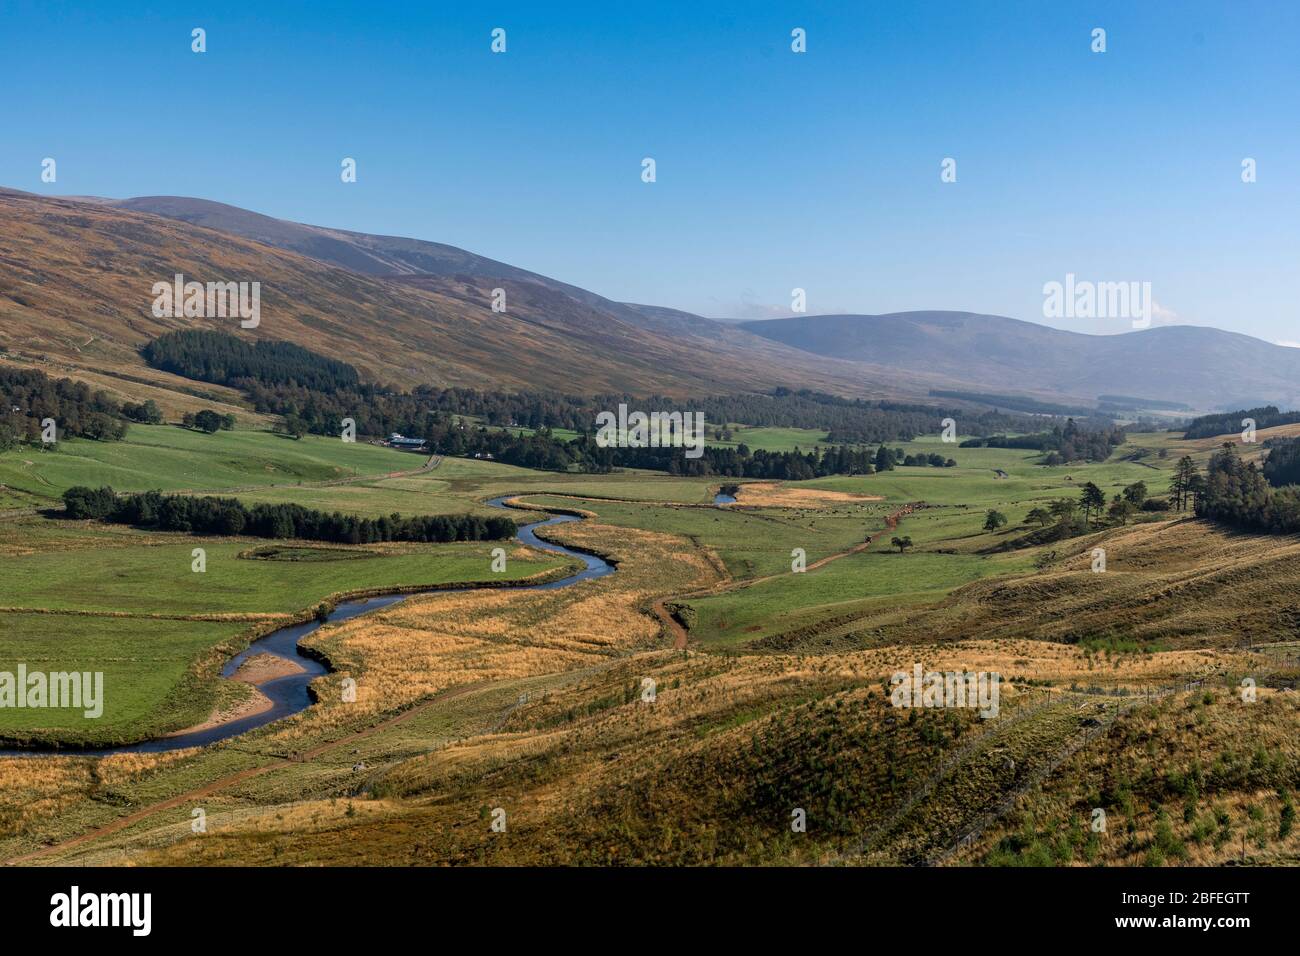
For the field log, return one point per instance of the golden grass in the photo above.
(772, 494)
(589, 773)
(708, 772)
(1178, 583)
(430, 643)
(33, 790)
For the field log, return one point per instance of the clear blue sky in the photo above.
(775, 170)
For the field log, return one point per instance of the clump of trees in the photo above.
(225, 359)
(1070, 517)
(1282, 466)
(933, 460)
(208, 421)
(1266, 416)
(146, 413)
(229, 516)
(28, 397)
(1236, 492)
(1062, 444)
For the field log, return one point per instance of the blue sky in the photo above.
(775, 170)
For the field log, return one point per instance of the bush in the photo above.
(207, 421)
(147, 413)
(83, 502)
(683, 614)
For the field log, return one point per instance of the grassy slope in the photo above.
(755, 734)
(171, 458)
(946, 536)
(61, 254)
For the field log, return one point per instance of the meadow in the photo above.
(950, 547)
(151, 574)
(149, 686)
(171, 458)
(532, 700)
(86, 596)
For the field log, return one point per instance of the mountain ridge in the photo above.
(1204, 366)
(426, 307)
(78, 274)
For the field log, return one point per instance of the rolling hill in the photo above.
(75, 290)
(396, 256)
(1203, 367)
(78, 272)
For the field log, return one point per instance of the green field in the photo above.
(87, 572)
(950, 546)
(851, 585)
(149, 686)
(751, 543)
(171, 458)
(53, 565)
(152, 575)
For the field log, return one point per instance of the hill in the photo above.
(1204, 367)
(462, 274)
(76, 291)
(397, 256)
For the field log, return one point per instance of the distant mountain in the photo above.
(77, 276)
(78, 271)
(1203, 367)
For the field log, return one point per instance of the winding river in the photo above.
(289, 695)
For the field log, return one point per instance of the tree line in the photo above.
(285, 379)
(225, 359)
(1070, 442)
(545, 451)
(29, 396)
(1241, 494)
(229, 516)
(1266, 416)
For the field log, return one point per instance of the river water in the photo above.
(289, 695)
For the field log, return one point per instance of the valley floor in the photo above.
(565, 726)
